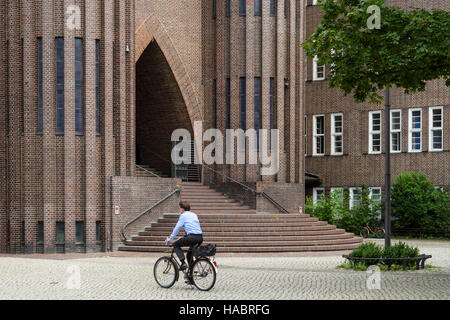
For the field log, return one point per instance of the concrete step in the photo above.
(206, 230)
(336, 247)
(213, 239)
(240, 220)
(271, 216)
(289, 233)
(227, 224)
(265, 243)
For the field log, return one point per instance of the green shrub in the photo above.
(368, 250)
(416, 204)
(335, 210)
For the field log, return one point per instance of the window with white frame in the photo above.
(435, 125)
(319, 135)
(317, 194)
(318, 70)
(355, 197)
(375, 132)
(396, 131)
(339, 192)
(415, 130)
(336, 134)
(375, 195)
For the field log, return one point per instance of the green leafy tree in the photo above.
(416, 203)
(409, 48)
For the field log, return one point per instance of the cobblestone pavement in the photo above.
(301, 276)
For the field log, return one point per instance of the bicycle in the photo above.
(201, 271)
(367, 230)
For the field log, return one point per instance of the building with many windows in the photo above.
(345, 143)
(93, 90)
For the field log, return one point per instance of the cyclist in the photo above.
(189, 221)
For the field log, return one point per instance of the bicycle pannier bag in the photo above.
(205, 251)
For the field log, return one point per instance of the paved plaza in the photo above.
(288, 276)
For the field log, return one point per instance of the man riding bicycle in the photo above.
(189, 221)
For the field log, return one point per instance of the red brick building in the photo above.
(346, 141)
(92, 88)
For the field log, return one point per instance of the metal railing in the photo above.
(258, 193)
(148, 171)
(124, 238)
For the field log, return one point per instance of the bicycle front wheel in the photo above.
(165, 272)
(380, 233)
(203, 274)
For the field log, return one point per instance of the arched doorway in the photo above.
(160, 109)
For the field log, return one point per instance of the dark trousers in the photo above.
(187, 241)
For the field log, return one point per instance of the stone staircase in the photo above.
(237, 228)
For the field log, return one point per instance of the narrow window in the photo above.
(375, 132)
(40, 227)
(59, 43)
(60, 236)
(271, 107)
(242, 7)
(435, 125)
(318, 70)
(97, 86)
(287, 8)
(79, 85)
(79, 231)
(319, 135)
(40, 87)
(396, 131)
(258, 117)
(98, 236)
(273, 7)
(257, 7)
(355, 197)
(415, 130)
(228, 8)
(214, 8)
(317, 194)
(215, 103)
(336, 134)
(228, 104)
(375, 195)
(243, 102)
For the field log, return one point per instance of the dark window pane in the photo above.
(228, 103)
(98, 231)
(40, 231)
(60, 236)
(273, 7)
(79, 232)
(242, 7)
(257, 7)
(40, 88)
(243, 102)
(228, 8)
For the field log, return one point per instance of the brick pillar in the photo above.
(49, 140)
(281, 66)
(30, 124)
(15, 109)
(90, 127)
(4, 230)
(107, 60)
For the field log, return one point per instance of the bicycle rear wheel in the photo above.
(380, 233)
(364, 232)
(203, 274)
(165, 272)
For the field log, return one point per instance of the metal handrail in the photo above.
(259, 193)
(124, 238)
(142, 168)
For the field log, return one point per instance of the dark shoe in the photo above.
(183, 266)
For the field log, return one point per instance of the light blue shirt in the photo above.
(189, 221)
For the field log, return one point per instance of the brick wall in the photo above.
(133, 195)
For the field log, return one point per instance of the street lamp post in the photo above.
(387, 211)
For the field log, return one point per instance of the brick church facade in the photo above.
(92, 89)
